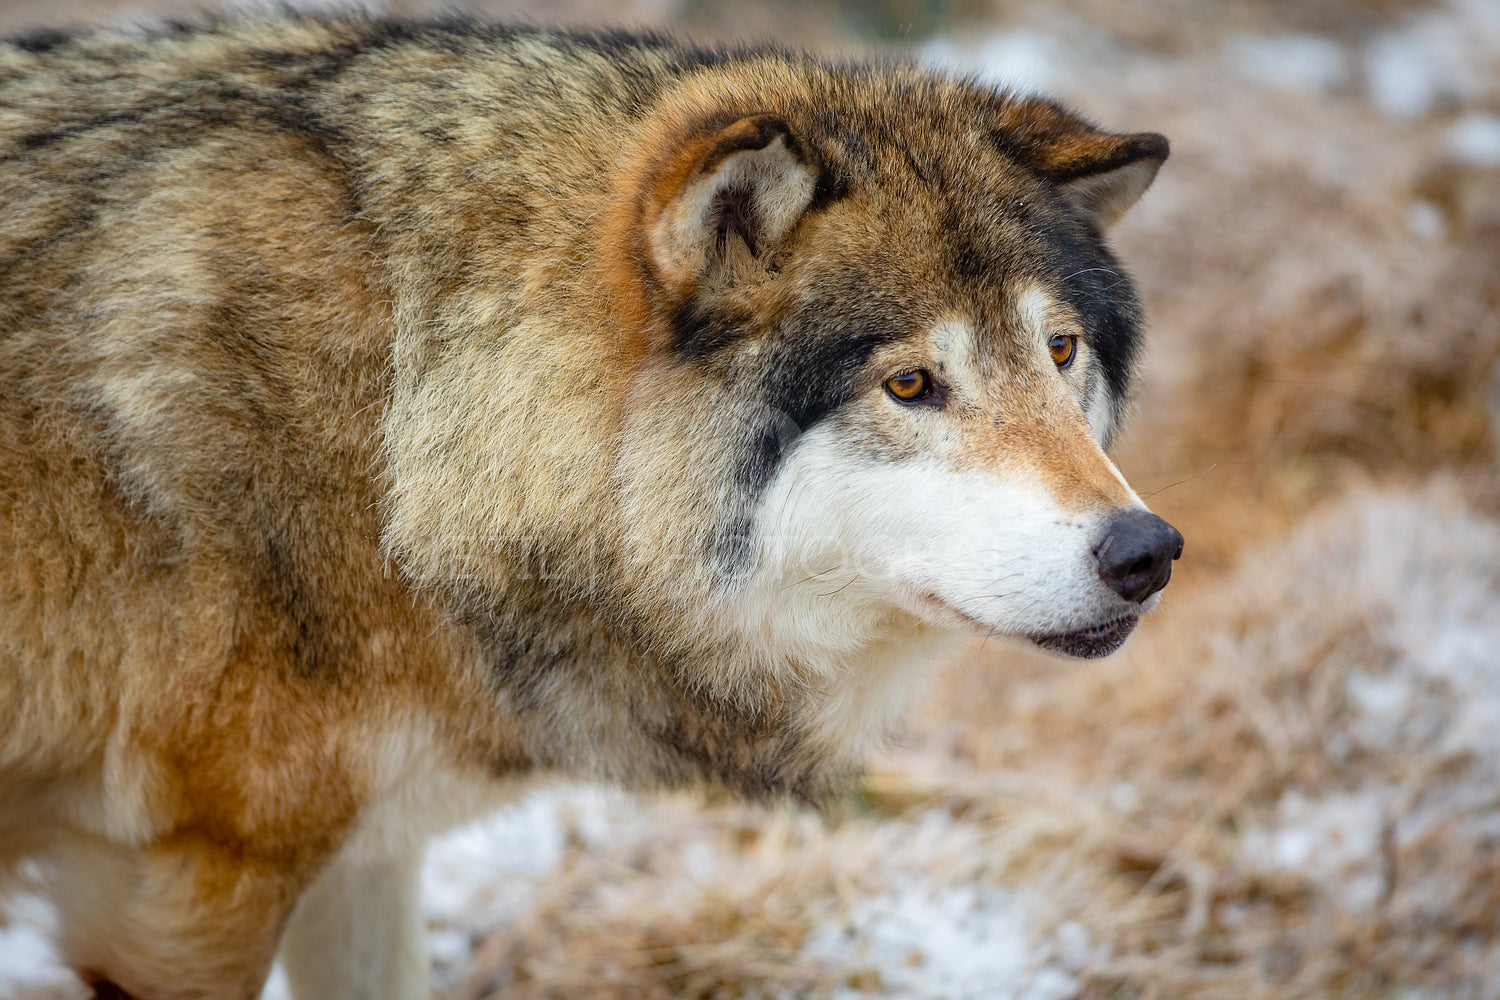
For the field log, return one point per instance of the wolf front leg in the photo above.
(182, 919)
(357, 933)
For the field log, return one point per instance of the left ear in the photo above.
(731, 197)
(1104, 173)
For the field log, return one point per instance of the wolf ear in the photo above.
(728, 201)
(1122, 168)
(1104, 173)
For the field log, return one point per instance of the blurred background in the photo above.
(1288, 785)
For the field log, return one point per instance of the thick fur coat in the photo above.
(390, 411)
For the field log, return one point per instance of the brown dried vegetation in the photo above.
(1307, 349)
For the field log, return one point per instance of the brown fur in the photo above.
(318, 344)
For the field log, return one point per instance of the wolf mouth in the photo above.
(1092, 642)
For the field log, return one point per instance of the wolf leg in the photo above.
(357, 933)
(185, 920)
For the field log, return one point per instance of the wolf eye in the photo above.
(909, 387)
(1062, 347)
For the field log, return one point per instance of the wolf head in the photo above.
(734, 383)
(887, 345)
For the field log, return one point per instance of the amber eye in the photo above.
(909, 387)
(1062, 347)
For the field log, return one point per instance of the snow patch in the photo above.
(1419, 577)
(923, 940)
(1475, 140)
(1446, 56)
(1022, 61)
(485, 874)
(1404, 589)
(1334, 840)
(1304, 64)
(1403, 81)
(1425, 221)
(29, 964)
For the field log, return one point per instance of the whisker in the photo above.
(1090, 270)
(841, 589)
(1183, 480)
(808, 579)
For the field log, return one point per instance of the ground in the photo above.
(1288, 785)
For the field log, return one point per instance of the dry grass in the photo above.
(1310, 349)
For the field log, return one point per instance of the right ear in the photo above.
(725, 203)
(1103, 173)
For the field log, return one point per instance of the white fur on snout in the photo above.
(842, 533)
(1101, 412)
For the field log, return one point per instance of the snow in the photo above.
(28, 961)
(511, 847)
(929, 921)
(1333, 840)
(1419, 577)
(1475, 140)
(483, 875)
(1074, 947)
(1305, 64)
(1425, 221)
(957, 943)
(1124, 798)
(1415, 580)
(1443, 56)
(1403, 81)
(1020, 60)
(1433, 576)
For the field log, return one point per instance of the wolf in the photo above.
(393, 411)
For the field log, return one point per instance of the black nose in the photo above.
(1136, 552)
